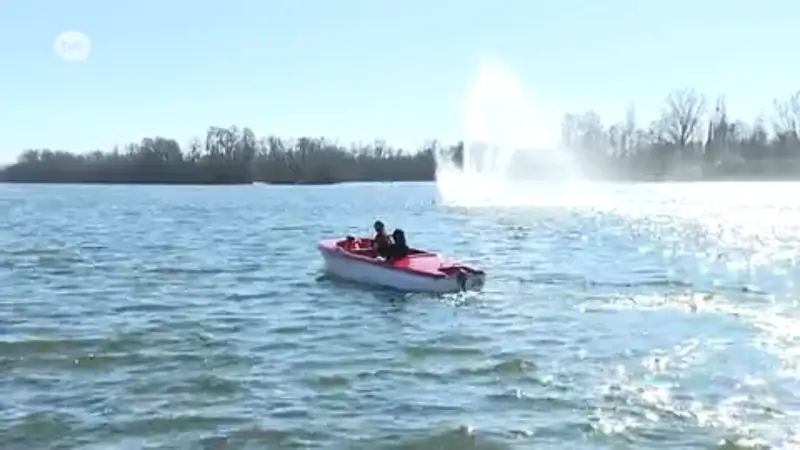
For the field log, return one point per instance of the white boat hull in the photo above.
(351, 269)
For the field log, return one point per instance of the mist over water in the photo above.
(510, 149)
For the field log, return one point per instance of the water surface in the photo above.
(195, 317)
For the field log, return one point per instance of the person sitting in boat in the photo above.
(399, 249)
(381, 243)
(350, 243)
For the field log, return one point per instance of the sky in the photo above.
(359, 70)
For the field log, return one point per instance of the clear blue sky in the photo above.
(363, 69)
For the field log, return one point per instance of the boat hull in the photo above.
(455, 278)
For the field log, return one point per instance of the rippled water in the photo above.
(195, 317)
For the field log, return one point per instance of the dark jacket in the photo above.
(399, 248)
(382, 243)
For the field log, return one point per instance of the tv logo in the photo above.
(72, 46)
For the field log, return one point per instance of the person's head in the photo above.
(399, 237)
(379, 227)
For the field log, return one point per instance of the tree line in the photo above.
(227, 156)
(688, 139)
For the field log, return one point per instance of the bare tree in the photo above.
(569, 131)
(716, 138)
(594, 140)
(629, 131)
(681, 117)
(787, 117)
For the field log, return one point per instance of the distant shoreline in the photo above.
(714, 148)
(137, 183)
(752, 179)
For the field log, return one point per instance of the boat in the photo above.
(353, 259)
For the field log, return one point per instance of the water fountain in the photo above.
(510, 154)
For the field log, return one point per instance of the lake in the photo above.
(634, 316)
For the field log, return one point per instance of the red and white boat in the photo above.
(421, 271)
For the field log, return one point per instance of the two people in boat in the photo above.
(392, 247)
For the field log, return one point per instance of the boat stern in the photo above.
(468, 278)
